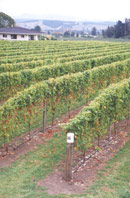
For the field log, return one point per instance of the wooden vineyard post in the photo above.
(127, 121)
(69, 156)
(115, 128)
(109, 132)
(44, 118)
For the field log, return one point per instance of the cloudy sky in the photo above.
(97, 10)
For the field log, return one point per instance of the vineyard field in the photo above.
(40, 76)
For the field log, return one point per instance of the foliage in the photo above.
(73, 75)
(67, 33)
(94, 31)
(6, 21)
(109, 107)
(17, 81)
(8, 59)
(119, 30)
(21, 107)
(37, 28)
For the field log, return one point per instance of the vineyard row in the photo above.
(38, 61)
(22, 107)
(111, 106)
(10, 83)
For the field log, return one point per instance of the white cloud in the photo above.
(83, 9)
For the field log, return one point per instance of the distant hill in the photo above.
(61, 26)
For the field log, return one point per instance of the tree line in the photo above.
(119, 30)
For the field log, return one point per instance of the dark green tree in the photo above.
(119, 29)
(37, 28)
(67, 33)
(104, 33)
(127, 27)
(110, 32)
(94, 31)
(6, 21)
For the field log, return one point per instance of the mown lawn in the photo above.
(114, 180)
(19, 180)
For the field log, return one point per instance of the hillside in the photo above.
(59, 25)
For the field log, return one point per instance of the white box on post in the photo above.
(70, 137)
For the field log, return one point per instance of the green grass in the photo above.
(117, 183)
(19, 180)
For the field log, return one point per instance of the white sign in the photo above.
(70, 137)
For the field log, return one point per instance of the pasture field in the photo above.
(52, 78)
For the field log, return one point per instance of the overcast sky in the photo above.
(94, 10)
